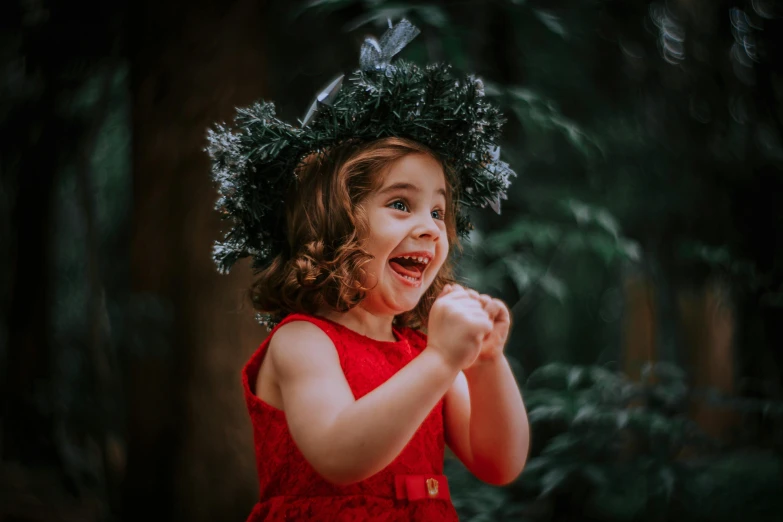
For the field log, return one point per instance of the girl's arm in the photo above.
(486, 421)
(347, 440)
(344, 439)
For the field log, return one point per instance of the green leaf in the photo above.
(606, 221)
(560, 444)
(553, 286)
(554, 479)
(553, 376)
(667, 479)
(596, 475)
(551, 22)
(535, 397)
(537, 465)
(547, 413)
(575, 377)
(621, 419)
(586, 414)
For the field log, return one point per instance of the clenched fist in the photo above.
(457, 327)
(494, 342)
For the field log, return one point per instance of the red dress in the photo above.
(411, 488)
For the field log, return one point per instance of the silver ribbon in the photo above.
(325, 97)
(377, 54)
(374, 55)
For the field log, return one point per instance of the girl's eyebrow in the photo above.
(402, 185)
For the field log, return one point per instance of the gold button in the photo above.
(432, 487)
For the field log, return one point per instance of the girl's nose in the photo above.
(428, 228)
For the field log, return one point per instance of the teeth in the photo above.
(422, 260)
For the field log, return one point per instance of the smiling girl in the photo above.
(352, 404)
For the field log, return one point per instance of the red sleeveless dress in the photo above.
(411, 488)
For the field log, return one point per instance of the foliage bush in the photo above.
(606, 448)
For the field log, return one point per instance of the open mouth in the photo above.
(409, 268)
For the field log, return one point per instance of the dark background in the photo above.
(640, 248)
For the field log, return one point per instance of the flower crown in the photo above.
(253, 161)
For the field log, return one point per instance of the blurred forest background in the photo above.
(641, 248)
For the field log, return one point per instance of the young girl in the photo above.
(351, 404)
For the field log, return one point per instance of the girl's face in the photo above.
(407, 234)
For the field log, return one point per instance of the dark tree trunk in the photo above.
(190, 443)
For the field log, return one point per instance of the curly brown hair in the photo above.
(323, 264)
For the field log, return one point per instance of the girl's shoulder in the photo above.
(296, 344)
(299, 337)
(303, 327)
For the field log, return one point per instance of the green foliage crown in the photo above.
(254, 160)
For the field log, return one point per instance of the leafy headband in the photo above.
(253, 161)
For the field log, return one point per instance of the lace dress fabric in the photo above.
(290, 489)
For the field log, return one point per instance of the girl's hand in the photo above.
(493, 343)
(457, 326)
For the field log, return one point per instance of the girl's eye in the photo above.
(399, 205)
(437, 214)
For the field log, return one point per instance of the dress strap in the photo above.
(326, 326)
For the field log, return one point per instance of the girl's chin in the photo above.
(389, 303)
(405, 299)
(396, 293)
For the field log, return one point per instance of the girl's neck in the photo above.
(358, 319)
